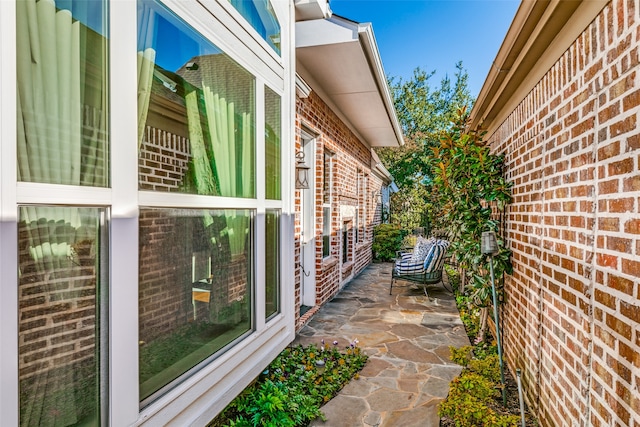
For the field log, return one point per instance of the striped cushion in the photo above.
(435, 258)
(406, 256)
(409, 267)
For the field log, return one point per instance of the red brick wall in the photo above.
(572, 311)
(351, 156)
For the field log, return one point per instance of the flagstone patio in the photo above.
(406, 336)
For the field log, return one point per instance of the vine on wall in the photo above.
(472, 194)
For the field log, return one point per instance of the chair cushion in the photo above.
(404, 267)
(422, 248)
(435, 257)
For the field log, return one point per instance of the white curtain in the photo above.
(54, 147)
(221, 117)
(146, 62)
(219, 174)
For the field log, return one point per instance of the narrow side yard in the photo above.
(407, 338)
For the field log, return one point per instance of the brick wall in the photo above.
(572, 311)
(352, 159)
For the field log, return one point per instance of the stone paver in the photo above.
(406, 336)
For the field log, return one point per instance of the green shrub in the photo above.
(473, 395)
(292, 389)
(387, 239)
(468, 402)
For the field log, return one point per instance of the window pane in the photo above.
(326, 231)
(195, 289)
(272, 262)
(272, 141)
(259, 13)
(59, 316)
(326, 175)
(196, 111)
(63, 100)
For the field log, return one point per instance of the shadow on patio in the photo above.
(407, 338)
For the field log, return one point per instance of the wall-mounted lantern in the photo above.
(302, 172)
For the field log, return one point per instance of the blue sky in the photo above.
(434, 35)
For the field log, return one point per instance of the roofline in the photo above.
(539, 35)
(368, 40)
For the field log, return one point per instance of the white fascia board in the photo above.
(302, 88)
(319, 32)
(368, 40)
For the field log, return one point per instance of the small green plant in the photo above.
(387, 239)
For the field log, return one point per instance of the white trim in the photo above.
(303, 90)
(9, 403)
(54, 194)
(123, 245)
(193, 201)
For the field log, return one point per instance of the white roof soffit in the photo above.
(339, 58)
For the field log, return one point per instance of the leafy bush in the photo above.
(472, 394)
(292, 389)
(387, 239)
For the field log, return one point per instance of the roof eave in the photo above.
(539, 35)
(339, 59)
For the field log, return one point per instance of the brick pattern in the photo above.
(572, 147)
(351, 160)
(57, 311)
(163, 161)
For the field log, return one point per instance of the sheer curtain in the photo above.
(146, 62)
(223, 162)
(61, 139)
(229, 164)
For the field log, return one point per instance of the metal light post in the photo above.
(490, 247)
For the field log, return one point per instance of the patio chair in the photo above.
(411, 267)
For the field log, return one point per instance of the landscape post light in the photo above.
(490, 247)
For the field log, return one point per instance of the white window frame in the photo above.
(329, 202)
(209, 389)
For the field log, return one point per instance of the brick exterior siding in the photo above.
(572, 310)
(351, 163)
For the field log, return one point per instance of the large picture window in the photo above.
(132, 274)
(198, 110)
(195, 293)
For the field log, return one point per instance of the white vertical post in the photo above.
(123, 275)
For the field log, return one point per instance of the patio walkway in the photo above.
(407, 338)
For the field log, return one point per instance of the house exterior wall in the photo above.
(351, 160)
(85, 321)
(571, 317)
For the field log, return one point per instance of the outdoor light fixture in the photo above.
(489, 247)
(302, 172)
(489, 243)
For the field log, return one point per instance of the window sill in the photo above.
(347, 266)
(329, 262)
